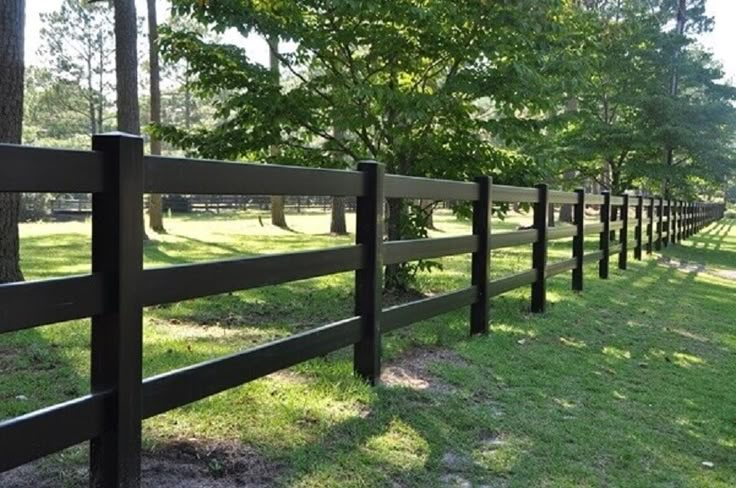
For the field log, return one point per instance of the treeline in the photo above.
(614, 95)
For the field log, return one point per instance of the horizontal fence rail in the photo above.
(114, 294)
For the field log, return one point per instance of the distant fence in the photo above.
(64, 205)
(117, 290)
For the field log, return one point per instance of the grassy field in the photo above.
(626, 384)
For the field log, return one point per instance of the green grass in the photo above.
(626, 384)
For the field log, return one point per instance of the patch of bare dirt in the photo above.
(8, 359)
(729, 274)
(180, 464)
(392, 298)
(688, 267)
(192, 464)
(685, 266)
(412, 370)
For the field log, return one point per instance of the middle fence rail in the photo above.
(118, 175)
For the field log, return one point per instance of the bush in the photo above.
(35, 206)
(730, 214)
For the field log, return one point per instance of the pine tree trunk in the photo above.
(681, 19)
(12, 24)
(155, 205)
(126, 67)
(337, 223)
(126, 72)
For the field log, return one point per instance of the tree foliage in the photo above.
(428, 88)
(79, 45)
(652, 113)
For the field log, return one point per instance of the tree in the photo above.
(338, 226)
(278, 202)
(12, 23)
(126, 66)
(126, 70)
(78, 44)
(406, 82)
(155, 206)
(54, 112)
(627, 120)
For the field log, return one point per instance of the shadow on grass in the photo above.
(622, 384)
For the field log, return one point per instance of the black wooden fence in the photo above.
(118, 174)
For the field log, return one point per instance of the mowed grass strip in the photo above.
(625, 384)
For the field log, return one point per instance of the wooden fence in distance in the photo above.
(118, 174)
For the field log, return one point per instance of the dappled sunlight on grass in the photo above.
(616, 353)
(399, 445)
(509, 329)
(620, 385)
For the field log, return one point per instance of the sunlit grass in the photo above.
(625, 384)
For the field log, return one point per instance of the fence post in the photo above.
(665, 225)
(369, 279)
(117, 336)
(539, 250)
(623, 256)
(693, 220)
(673, 223)
(578, 242)
(481, 260)
(680, 218)
(660, 216)
(639, 227)
(605, 235)
(650, 225)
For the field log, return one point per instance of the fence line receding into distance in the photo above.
(117, 174)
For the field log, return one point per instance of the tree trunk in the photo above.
(155, 206)
(337, 224)
(12, 24)
(674, 86)
(187, 101)
(551, 215)
(566, 213)
(395, 278)
(427, 207)
(569, 175)
(126, 67)
(278, 203)
(278, 215)
(126, 71)
(101, 86)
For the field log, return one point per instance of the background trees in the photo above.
(611, 94)
(78, 46)
(404, 83)
(650, 108)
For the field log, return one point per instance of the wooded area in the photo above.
(589, 131)
(612, 95)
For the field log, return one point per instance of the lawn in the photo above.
(626, 384)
